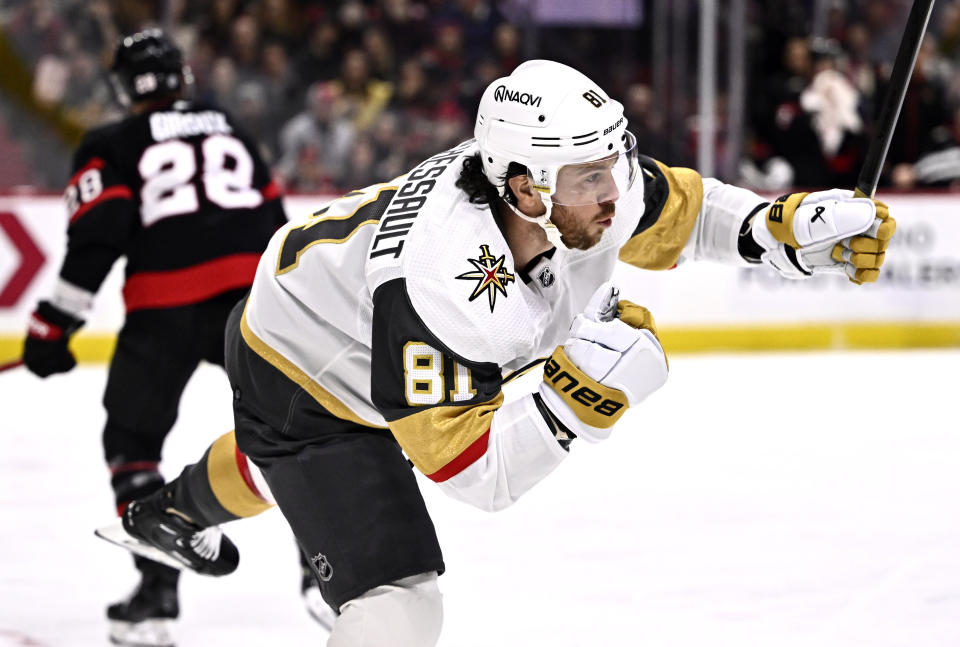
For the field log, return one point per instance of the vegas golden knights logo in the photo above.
(491, 276)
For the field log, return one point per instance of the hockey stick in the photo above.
(893, 101)
(14, 364)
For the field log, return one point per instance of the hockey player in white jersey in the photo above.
(385, 326)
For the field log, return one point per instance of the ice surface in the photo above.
(756, 501)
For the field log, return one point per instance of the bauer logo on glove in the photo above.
(603, 404)
(803, 234)
(611, 361)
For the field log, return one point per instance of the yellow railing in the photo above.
(97, 348)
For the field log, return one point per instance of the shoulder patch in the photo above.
(672, 198)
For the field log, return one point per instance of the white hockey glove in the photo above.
(827, 231)
(611, 360)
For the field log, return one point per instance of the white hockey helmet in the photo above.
(552, 118)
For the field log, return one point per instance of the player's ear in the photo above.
(528, 199)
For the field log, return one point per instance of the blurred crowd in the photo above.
(344, 93)
(814, 99)
(339, 94)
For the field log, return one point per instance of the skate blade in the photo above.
(156, 632)
(115, 534)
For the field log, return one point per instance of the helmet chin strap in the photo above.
(550, 229)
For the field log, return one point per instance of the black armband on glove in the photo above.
(563, 435)
(45, 351)
(749, 249)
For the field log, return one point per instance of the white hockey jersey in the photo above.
(400, 306)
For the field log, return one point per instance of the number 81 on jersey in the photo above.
(423, 378)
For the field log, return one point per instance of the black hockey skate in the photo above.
(147, 616)
(153, 529)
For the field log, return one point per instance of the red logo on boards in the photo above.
(31, 260)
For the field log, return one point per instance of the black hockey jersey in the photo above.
(179, 192)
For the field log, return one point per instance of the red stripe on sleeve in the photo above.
(191, 284)
(113, 193)
(244, 468)
(465, 459)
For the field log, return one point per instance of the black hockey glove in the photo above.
(45, 351)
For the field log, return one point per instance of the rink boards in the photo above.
(699, 306)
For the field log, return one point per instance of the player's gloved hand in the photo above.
(611, 360)
(45, 351)
(827, 231)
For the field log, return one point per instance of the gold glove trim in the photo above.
(858, 259)
(659, 247)
(227, 482)
(636, 316)
(865, 276)
(594, 404)
(639, 317)
(780, 218)
(866, 253)
(865, 245)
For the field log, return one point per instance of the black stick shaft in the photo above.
(893, 101)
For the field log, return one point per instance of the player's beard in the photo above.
(577, 231)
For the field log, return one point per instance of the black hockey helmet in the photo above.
(147, 65)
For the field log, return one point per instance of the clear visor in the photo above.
(598, 181)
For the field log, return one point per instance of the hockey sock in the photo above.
(133, 479)
(220, 487)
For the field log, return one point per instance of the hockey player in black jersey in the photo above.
(184, 196)
(384, 328)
